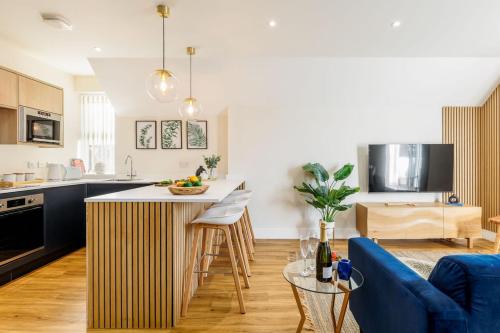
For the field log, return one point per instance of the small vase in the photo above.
(212, 174)
(344, 269)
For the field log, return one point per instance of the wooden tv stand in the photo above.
(379, 220)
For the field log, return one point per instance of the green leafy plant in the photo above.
(142, 138)
(327, 193)
(212, 161)
(196, 135)
(169, 133)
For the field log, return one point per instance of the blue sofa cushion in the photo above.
(395, 299)
(473, 282)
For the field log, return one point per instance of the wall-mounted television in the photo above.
(410, 168)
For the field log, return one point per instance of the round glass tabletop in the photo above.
(292, 271)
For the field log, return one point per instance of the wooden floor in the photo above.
(52, 298)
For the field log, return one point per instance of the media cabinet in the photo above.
(427, 220)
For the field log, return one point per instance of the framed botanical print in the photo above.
(145, 134)
(171, 134)
(197, 134)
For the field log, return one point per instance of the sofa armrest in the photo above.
(396, 299)
(473, 282)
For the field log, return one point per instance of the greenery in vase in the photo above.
(327, 193)
(142, 138)
(196, 135)
(212, 161)
(169, 133)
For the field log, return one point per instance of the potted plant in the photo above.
(211, 163)
(326, 193)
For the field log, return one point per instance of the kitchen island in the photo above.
(138, 245)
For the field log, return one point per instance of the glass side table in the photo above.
(291, 273)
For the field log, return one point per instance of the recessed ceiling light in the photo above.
(396, 24)
(97, 49)
(57, 21)
(272, 23)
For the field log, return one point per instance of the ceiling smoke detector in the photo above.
(57, 21)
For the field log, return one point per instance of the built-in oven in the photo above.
(39, 126)
(21, 227)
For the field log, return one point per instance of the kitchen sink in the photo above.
(123, 179)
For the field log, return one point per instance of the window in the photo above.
(97, 142)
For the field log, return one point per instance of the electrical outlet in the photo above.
(183, 164)
(30, 165)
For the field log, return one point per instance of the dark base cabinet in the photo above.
(100, 189)
(64, 224)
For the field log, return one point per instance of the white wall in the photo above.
(163, 163)
(16, 157)
(287, 112)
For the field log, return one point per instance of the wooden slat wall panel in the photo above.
(461, 127)
(490, 158)
(183, 214)
(129, 281)
(137, 255)
(475, 131)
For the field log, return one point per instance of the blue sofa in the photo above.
(461, 295)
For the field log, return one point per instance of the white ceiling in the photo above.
(220, 28)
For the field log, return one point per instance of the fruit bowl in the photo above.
(193, 190)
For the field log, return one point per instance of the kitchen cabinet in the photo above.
(8, 89)
(41, 96)
(100, 189)
(64, 223)
(65, 217)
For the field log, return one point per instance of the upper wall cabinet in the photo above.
(8, 89)
(37, 95)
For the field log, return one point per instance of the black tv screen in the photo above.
(410, 168)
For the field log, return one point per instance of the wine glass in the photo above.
(313, 247)
(304, 249)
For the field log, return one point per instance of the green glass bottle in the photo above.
(324, 257)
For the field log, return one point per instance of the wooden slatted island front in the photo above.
(138, 245)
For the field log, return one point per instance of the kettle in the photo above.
(56, 171)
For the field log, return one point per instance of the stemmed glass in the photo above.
(313, 247)
(304, 250)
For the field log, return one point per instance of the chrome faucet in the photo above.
(127, 158)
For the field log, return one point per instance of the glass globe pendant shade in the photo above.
(189, 108)
(161, 85)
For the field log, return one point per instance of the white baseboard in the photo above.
(294, 233)
(340, 233)
(489, 235)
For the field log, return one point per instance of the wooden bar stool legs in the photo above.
(248, 236)
(228, 230)
(247, 216)
(241, 240)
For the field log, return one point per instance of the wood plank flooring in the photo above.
(52, 298)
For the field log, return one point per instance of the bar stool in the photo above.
(235, 197)
(244, 237)
(222, 218)
(242, 201)
(247, 193)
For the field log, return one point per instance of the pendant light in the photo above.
(190, 107)
(161, 85)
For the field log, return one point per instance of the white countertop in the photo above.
(217, 191)
(60, 183)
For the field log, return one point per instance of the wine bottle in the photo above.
(324, 257)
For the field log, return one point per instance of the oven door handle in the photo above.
(20, 211)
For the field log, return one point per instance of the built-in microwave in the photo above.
(39, 126)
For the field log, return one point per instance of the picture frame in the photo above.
(197, 134)
(145, 134)
(171, 134)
